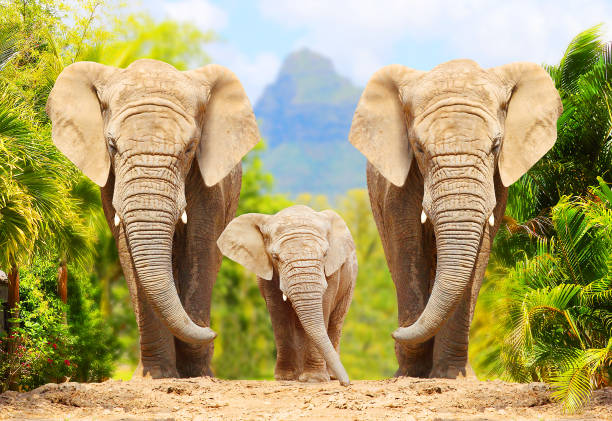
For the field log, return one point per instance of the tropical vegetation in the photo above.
(549, 276)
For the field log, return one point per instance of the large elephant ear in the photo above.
(74, 109)
(341, 243)
(531, 119)
(242, 242)
(229, 127)
(379, 128)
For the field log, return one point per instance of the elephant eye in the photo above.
(274, 255)
(419, 148)
(190, 148)
(495, 146)
(112, 145)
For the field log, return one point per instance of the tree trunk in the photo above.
(62, 285)
(13, 301)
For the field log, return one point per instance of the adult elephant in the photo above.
(472, 133)
(162, 145)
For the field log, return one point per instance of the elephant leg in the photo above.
(336, 321)
(450, 354)
(410, 252)
(157, 353)
(197, 260)
(315, 368)
(283, 318)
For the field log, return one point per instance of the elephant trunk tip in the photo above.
(200, 335)
(412, 335)
(344, 381)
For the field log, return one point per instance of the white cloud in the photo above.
(200, 12)
(363, 35)
(254, 72)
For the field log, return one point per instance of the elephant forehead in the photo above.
(462, 83)
(136, 85)
(287, 225)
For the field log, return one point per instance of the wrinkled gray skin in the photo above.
(472, 132)
(144, 134)
(309, 257)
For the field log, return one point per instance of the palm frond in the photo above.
(574, 385)
(582, 52)
(8, 44)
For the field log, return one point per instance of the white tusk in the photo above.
(117, 220)
(491, 220)
(423, 217)
(184, 217)
(284, 297)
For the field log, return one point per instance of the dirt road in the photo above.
(214, 399)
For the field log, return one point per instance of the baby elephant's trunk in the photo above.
(308, 304)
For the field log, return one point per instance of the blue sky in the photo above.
(361, 36)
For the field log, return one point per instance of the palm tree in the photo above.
(583, 149)
(559, 303)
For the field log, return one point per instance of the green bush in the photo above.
(39, 350)
(53, 341)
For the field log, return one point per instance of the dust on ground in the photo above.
(214, 399)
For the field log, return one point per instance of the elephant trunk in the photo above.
(149, 229)
(458, 233)
(307, 300)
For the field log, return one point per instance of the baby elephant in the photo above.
(308, 258)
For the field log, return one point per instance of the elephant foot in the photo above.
(280, 375)
(154, 372)
(314, 376)
(452, 372)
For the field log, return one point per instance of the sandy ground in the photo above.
(214, 399)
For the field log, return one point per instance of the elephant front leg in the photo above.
(157, 354)
(197, 260)
(283, 319)
(450, 353)
(315, 369)
(410, 252)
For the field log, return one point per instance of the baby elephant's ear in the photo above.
(242, 242)
(341, 244)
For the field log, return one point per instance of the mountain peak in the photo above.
(305, 62)
(309, 77)
(305, 116)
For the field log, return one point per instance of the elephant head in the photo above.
(149, 122)
(302, 248)
(462, 125)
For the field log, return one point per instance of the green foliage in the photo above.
(51, 346)
(555, 311)
(39, 350)
(547, 283)
(583, 149)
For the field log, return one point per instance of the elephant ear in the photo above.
(229, 128)
(379, 129)
(242, 242)
(74, 109)
(531, 118)
(341, 243)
